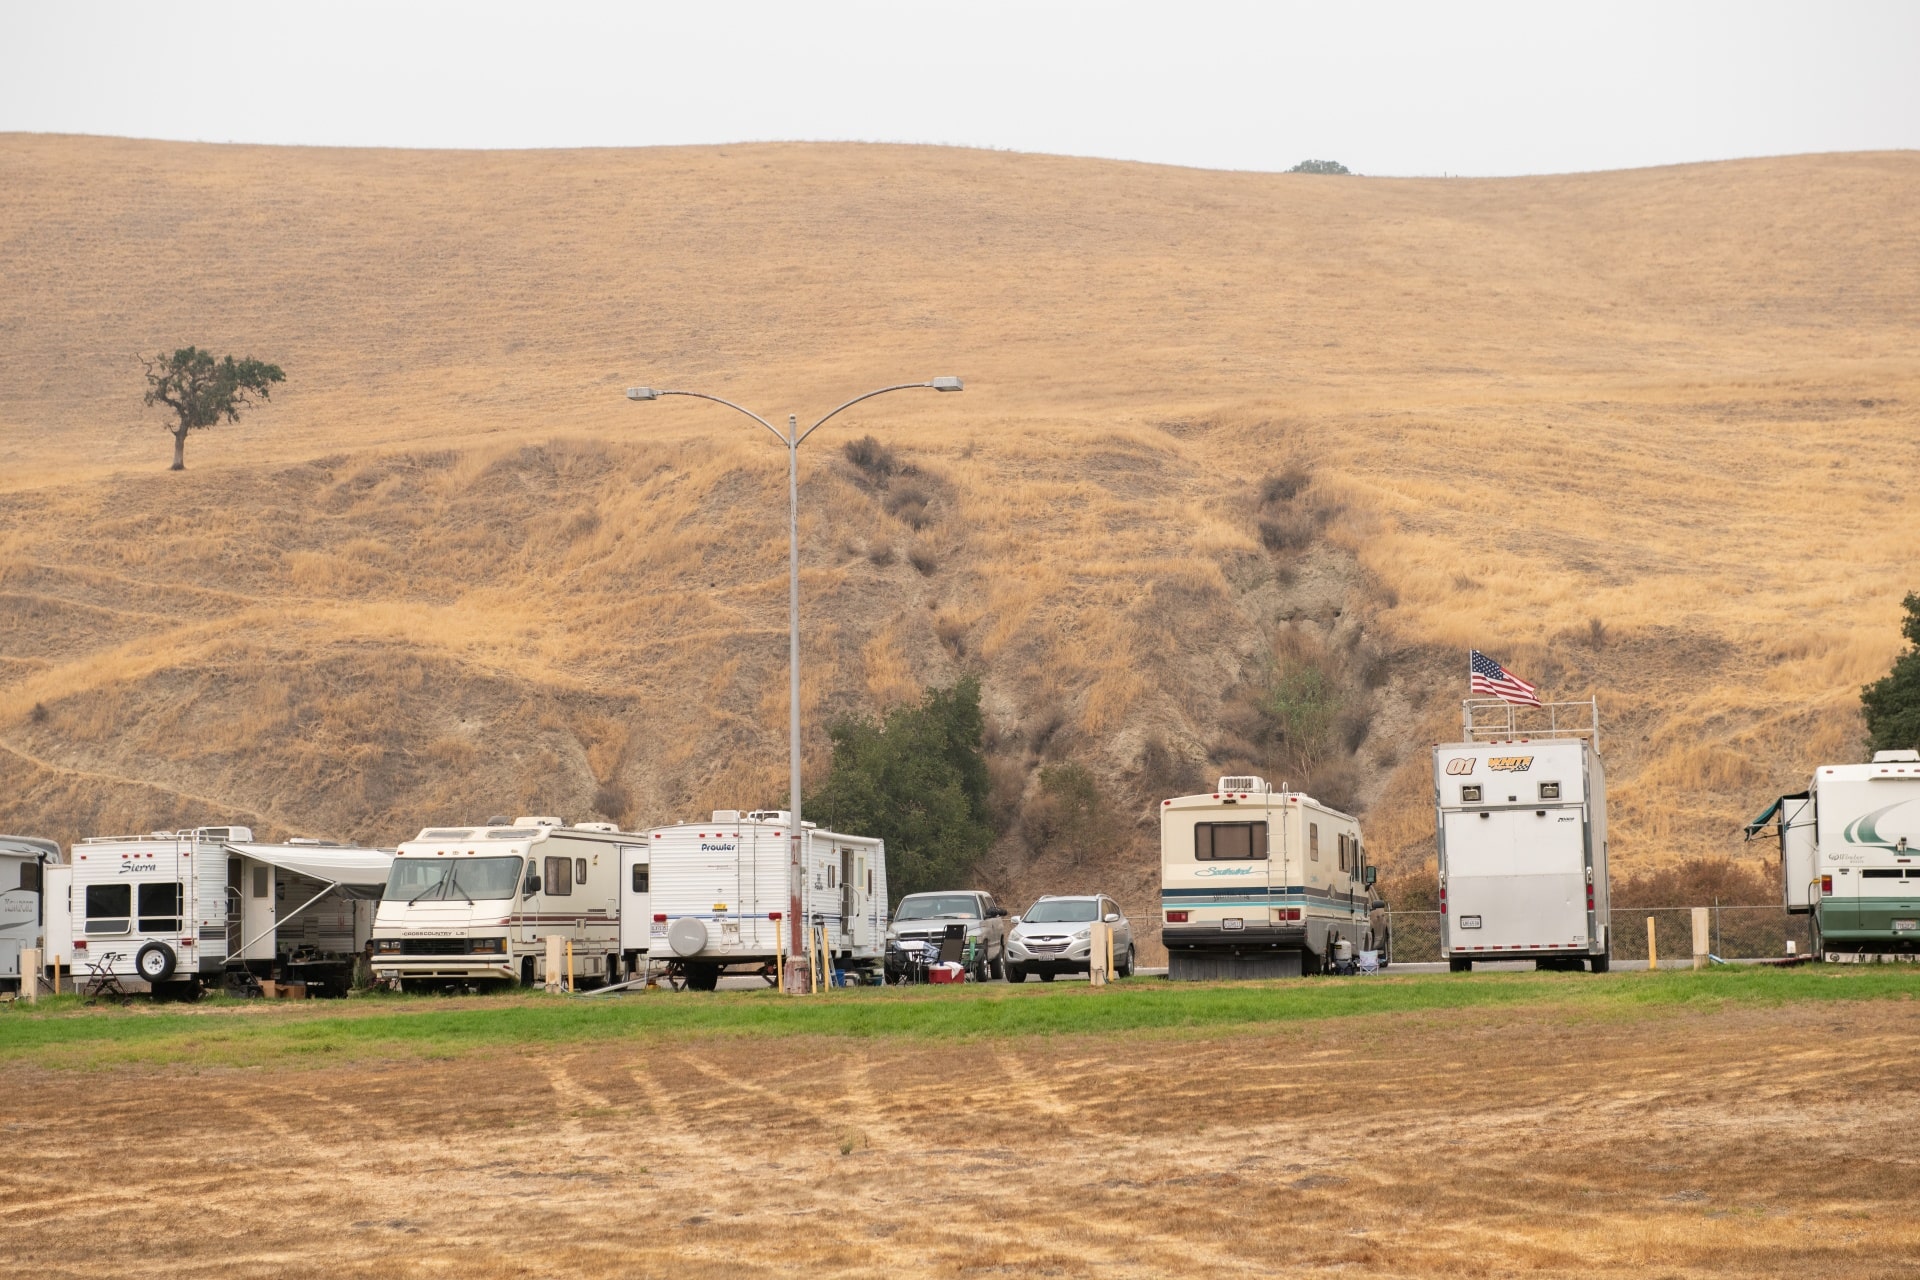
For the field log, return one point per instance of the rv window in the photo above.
(160, 908)
(1549, 791)
(830, 880)
(109, 908)
(579, 870)
(1229, 841)
(260, 882)
(1313, 840)
(639, 877)
(30, 876)
(559, 877)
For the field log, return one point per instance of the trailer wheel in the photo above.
(1600, 963)
(703, 977)
(155, 962)
(1459, 964)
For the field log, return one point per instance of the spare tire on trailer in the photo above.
(687, 936)
(155, 962)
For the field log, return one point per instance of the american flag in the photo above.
(1489, 677)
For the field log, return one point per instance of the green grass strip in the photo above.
(64, 1033)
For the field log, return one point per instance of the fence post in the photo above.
(1701, 941)
(30, 974)
(554, 942)
(1097, 954)
(1653, 951)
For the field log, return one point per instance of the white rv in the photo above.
(715, 887)
(1258, 883)
(24, 862)
(1521, 825)
(477, 904)
(1850, 854)
(179, 909)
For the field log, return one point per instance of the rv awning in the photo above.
(1760, 823)
(364, 870)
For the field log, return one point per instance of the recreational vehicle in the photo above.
(179, 909)
(477, 904)
(1259, 883)
(719, 894)
(23, 874)
(1521, 824)
(1850, 854)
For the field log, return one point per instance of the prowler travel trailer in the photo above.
(180, 909)
(1258, 883)
(1850, 854)
(477, 904)
(718, 895)
(24, 862)
(1521, 822)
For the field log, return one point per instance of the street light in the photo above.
(793, 438)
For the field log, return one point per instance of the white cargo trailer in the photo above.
(1258, 883)
(1521, 825)
(1850, 854)
(179, 909)
(477, 904)
(24, 863)
(718, 893)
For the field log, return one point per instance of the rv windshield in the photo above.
(462, 880)
(939, 906)
(1063, 911)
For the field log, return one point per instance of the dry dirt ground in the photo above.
(1750, 1141)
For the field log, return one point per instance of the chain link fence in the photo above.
(1739, 931)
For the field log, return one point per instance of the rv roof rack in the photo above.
(1496, 720)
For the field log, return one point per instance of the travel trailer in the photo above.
(1521, 824)
(718, 896)
(1258, 883)
(24, 861)
(1850, 854)
(180, 909)
(477, 904)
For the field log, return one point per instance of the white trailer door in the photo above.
(636, 899)
(1516, 879)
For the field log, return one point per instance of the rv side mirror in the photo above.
(1368, 875)
(533, 882)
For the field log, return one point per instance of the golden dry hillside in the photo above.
(1219, 427)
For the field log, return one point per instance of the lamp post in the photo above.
(793, 438)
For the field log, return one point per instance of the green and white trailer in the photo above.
(1850, 854)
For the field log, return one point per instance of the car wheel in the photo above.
(1126, 967)
(155, 962)
(1016, 974)
(998, 967)
(1047, 976)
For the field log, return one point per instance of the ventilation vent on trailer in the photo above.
(1243, 785)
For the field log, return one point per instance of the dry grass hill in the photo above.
(1650, 435)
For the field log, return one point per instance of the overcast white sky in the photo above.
(1387, 88)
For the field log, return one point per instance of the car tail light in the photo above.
(1176, 917)
(1826, 884)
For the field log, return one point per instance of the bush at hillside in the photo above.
(918, 780)
(1893, 703)
(1319, 166)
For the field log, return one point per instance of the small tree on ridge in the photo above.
(1892, 703)
(201, 390)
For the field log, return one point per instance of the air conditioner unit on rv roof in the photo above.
(538, 822)
(1242, 785)
(1907, 756)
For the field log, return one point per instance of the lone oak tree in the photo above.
(201, 390)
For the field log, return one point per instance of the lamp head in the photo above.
(642, 393)
(940, 384)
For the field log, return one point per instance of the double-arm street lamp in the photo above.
(793, 438)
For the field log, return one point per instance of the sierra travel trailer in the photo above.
(1521, 825)
(1258, 883)
(180, 909)
(24, 862)
(719, 893)
(477, 904)
(1850, 854)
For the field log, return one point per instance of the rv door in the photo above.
(861, 896)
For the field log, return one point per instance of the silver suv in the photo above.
(1055, 937)
(924, 917)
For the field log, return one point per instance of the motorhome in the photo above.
(1850, 854)
(719, 894)
(477, 904)
(180, 909)
(1259, 883)
(24, 861)
(1520, 808)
